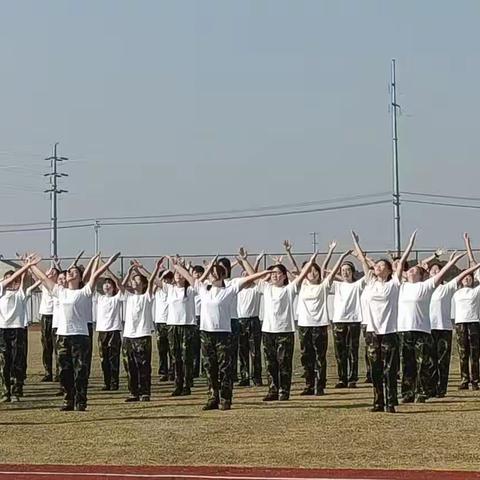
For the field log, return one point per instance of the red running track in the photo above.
(103, 472)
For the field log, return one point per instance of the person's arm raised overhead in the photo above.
(326, 261)
(258, 260)
(301, 276)
(243, 256)
(359, 253)
(331, 276)
(76, 260)
(153, 276)
(468, 246)
(91, 266)
(32, 263)
(454, 258)
(404, 257)
(96, 274)
(184, 272)
(425, 262)
(288, 248)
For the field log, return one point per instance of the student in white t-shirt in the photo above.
(313, 320)
(137, 332)
(381, 307)
(414, 325)
(278, 327)
(47, 336)
(12, 332)
(165, 358)
(346, 320)
(62, 281)
(181, 331)
(109, 327)
(216, 329)
(73, 341)
(197, 271)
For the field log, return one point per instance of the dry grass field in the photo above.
(335, 431)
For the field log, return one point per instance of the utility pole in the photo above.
(54, 191)
(396, 182)
(96, 229)
(314, 241)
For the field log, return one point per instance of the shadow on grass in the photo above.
(100, 420)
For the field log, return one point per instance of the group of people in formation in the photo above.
(404, 313)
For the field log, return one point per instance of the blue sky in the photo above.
(191, 106)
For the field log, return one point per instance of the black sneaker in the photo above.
(270, 397)
(225, 405)
(131, 399)
(475, 386)
(284, 397)
(145, 398)
(212, 404)
(377, 408)
(421, 399)
(463, 386)
(80, 407)
(163, 378)
(66, 407)
(390, 409)
(177, 392)
(341, 385)
(408, 399)
(244, 383)
(320, 392)
(308, 391)
(352, 385)
(47, 378)
(186, 391)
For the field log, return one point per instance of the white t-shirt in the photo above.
(364, 306)
(381, 305)
(160, 306)
(414, 306)
(278, 307)
(198, 306)
(216, 306)
(56, 312)
(108, 312)
(346, 303)
(138, 315)
(75, 310)
(312, 306)
(13, 309)
(467, 304)
(234, 307)
(441, 306)
(181, 305)
(248, 302)
(46, 302)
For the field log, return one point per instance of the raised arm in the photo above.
(185, 273)
(33, 260)
(18, 273)
(454, 258)
(153, 276)
(140, 268)
(468, 245)
(336, 268)
(243, 257)
(257, 261)
(288, 248)
(31, 288)
(100, 270)
(331, 249)
(359, 253)
(404, 257)
(301, 276)
(76, 260)
(469, 271)
(91, 267)
(425, 263)
(252, 278)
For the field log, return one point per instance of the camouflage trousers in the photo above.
(55, 351)
(24, 356)
(137, 361)
(250, 349)
(12, 360)
(196, 350)
(468, 338)
(180, 339)
(48, 342)
(73, 355)
(165, 359)
(368, 368)
(313, 355)
(347, 339)
(382, 356)
(278, 351)
(217, 363)
(90, 352)
(417, 365)
(109, 347)
(441, 353)
(235, 326)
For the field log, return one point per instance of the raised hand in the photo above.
(288, 246)
(242, 253)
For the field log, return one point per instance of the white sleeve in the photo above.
(57, 290)
(262, 285)
(87, 290)
(452, 286)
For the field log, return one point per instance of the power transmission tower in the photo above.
(54, 191)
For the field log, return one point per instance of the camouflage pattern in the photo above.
(55, 351)
(441, 353)
(417, 366)
(278, 351)
(382, 350)
(109, 347)
(48, 343)
(180, 339)
(196, 350)
(313, 355)
(346, 338)
(468, 338)
(165, 359)
(368, 368)
(250, 344)
(235, 325)
(137, 361)
(90, 352)
(73, 355)
(11, 361)
(217, 363)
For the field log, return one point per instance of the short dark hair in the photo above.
(226, 264)
(198, 269)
